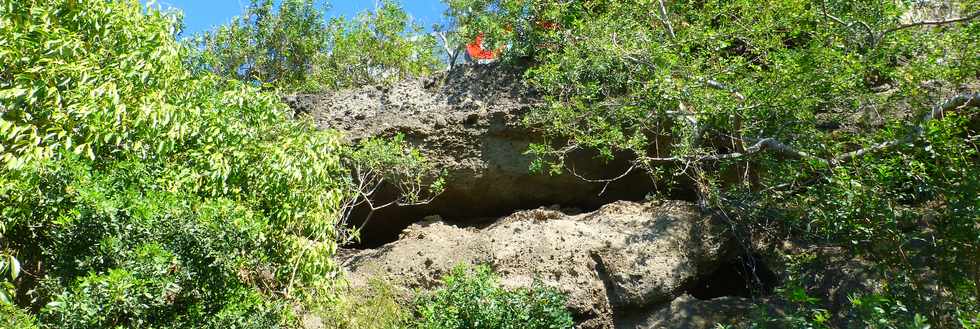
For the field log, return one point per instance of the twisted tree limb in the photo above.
(759, 145)
(876, 36)
(960, 101)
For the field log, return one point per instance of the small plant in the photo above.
(372, 307)
(473, 299)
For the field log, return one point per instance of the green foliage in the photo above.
(469, 298)
(269, 44)
(520, 26)
(14, 318)
(475, 300)
(142, 193)
(378, 47)
(293, 47)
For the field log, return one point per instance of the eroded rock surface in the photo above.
(687, 312)
(470, 125)
(624, 256)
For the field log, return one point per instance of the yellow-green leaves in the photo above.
(12, 93)
(152, 192)
(97, 98)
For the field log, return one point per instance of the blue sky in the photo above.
(202, 15)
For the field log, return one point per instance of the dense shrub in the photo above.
(136, 191)
(376, 306)
(473, 299)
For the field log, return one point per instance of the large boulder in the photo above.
(624, 256)
(469, 124)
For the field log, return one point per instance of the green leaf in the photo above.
(4, 298)
(14, 267)
(11, 93)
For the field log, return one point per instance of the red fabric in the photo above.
(476, 50)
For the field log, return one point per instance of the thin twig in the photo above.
(606, 181)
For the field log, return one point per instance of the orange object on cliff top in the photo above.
(476, 50)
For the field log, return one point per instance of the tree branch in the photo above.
(769, 144)
(451, 53)
(933, 23)
(937, 112)
(666, 19)
(605, 181)
(722, 86)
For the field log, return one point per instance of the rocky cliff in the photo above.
(469, 124)
(622, 261)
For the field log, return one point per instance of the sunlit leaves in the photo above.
(153, 193)
(131, 175)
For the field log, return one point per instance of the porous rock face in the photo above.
(469, 124)
(624, 257)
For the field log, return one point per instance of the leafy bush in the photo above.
(474, 300)
(373, 307)
(293, 47)
(138, 192)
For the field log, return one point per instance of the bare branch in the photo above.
(937, 112)
(870, 149)
(764, 144)
(451, 53)
(823, 9)
(666, 20)
(871, 34)
(725, 87)
(773, 145)
(767, 144)
(606, 181)
(933, 23)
